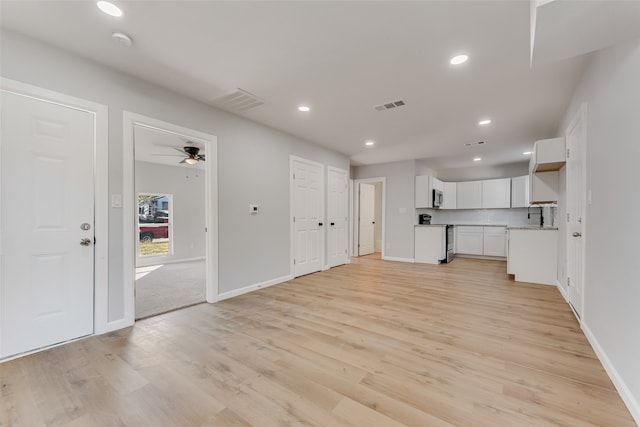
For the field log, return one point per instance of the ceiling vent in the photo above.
(389, 105)
(239, 101)
(471, 144)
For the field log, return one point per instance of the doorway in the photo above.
(368, 217)
(171, 215)
(53, 227)
(338, 200)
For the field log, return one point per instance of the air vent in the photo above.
(239, 101)
(389, 105)
(471, 144)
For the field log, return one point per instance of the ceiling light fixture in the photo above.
(526, 153)
(484, 122)
(109, 8)
(458, 59)
(369, 143)
(477, 159)
(191, 160)
(304, 108)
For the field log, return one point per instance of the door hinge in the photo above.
(345, 251)
(294, 219)
(568, 217)
(294, 261)
(294, 176)
(568, 152)
(568, 281)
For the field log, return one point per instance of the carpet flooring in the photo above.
(162, 288)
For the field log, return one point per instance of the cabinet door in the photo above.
(469, 240)
(520, 191)
(495, 241)
(543, 187)
(429, 244)
(496, 193)
(449, 196)
(469, 195)
(423, 196)
(436, 184)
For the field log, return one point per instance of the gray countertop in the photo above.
(430, 225)
(532, 227)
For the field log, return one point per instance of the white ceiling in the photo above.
(341, 59)
(154, 146)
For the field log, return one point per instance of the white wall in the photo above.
(253, 164)
(400, 205)
(188, 210)
(484, 172)
(611, 317)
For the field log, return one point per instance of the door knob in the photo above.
(85, 242)
(576, 234)
(320, 224)
(333, 223)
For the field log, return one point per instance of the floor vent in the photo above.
(239, 101)
(389, 105)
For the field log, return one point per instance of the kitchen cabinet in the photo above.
(495, 241)
(449, 195)
(548, 155)
(496, 193)
(469, 240)
(520, 191)
(429, 244)
(533, 255)
(543, 187)
(423, 197)
(469, 195)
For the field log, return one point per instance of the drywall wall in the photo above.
(516, 217)
(400, 207)
(253, 160)
(186, 185)
(611, 316)
(484, 172)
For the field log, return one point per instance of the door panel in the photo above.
(47, 276)
(367, 218)
(576, 142)
(337, 221)
(308, 196)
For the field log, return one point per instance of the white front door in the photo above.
(367, 219)
(576, 143)
(337, 216)
(307, 206)
(47, 280)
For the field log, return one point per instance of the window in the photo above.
(154, 224)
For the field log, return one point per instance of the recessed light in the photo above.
(122, 39)
(477, 159)
(109, 8)
(459, 59)
(304, 108)
(526, 153)
(484, 122)
(369, 143)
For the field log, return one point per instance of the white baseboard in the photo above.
(158, 261)
(563, 292)
(113, 326)
(255, 287)
(392, 258)
(627, 397)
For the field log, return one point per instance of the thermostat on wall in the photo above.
(253, 209)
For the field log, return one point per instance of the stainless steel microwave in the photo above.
(438, 198)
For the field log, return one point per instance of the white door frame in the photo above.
(580, 116)
(356, 210)
(323, 240)
(346, 210)
(130, 205)
(100, 115)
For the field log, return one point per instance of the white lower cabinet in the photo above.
(429, 244)
(477, 240)
(533, 255)
(469, 240)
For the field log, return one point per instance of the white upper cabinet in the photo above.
(496, 193)
(543, 187)
(423, 195)
(436, 184)
(449, 195)
(469, 195)
(548, 155)
(520, 191)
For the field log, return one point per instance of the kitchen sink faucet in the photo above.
(541, 216)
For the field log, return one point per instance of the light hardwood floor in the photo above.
(374, 343)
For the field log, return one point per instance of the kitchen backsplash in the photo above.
(511, 217)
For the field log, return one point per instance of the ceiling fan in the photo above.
(192, 156)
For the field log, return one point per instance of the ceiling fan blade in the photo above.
(183, 161)
(179, 150)
(201, 157)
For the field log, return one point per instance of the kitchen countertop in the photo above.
(480, 225)
(532, 227)
(430, 225)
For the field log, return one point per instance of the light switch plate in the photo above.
(116, 200)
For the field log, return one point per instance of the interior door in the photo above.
(337, 209)
(576, 143)
(308, 225)
(367, 219)
(47, 280)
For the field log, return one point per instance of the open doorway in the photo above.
(368, 217)
(169, 181)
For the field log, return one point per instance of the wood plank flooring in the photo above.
(373, 343)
